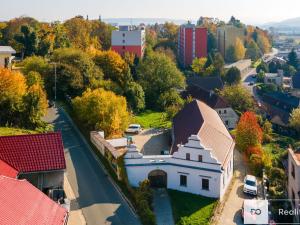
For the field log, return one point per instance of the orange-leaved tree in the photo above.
(249, 132)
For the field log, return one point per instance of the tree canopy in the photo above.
(248, 131)
(102, 110)
(158, 74)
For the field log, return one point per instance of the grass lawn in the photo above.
(190, 209)
(151, 119)
(278, 146)
(7, 131)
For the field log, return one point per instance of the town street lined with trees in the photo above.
(73, 63)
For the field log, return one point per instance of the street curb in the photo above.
(99, 162)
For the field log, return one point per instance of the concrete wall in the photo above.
(138, 168)
(228, 116)
(45, 180)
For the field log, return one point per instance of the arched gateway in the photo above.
(158, 179)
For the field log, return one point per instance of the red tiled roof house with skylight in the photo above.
(22, 203)
(38, 158)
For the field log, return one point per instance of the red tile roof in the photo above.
(22, 203)
(33, 152)
(7, 170)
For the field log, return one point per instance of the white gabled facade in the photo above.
(193, 168)
(228, 116)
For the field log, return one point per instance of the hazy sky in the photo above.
(249, 11)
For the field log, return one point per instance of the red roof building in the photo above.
(31, 153)
(22, 203)
(192, 43)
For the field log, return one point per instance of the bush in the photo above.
(143, 202)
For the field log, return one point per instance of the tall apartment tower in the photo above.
(192, 43)
(128, 39)
(226, 37)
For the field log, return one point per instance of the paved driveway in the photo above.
(162, 207)
(95, 194)
(231, 214)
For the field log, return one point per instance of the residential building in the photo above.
(192, 43)
(226, 113)
(294, 179)
(244, 66)
(38, 158)
(200, 160)
(6, 53)
(295, 90)
(274, 78)
(227, 36)
(22, 203)
(129, 39)
(209, 83)
(278, 107)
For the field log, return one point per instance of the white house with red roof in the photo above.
(22, 203)
(38, 158)
(200, 160)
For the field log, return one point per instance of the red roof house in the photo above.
(31, 153)
(22, 203)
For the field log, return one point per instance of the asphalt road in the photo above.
(100, 201)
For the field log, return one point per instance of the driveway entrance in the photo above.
(158, 179)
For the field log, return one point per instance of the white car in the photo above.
(250, 185)
(134, 128)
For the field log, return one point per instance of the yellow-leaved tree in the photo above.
(102, 110)
(12, 90)
(240, 50)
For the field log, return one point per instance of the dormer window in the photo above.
(188, 156)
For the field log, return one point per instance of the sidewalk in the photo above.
(162, 207)
(75, 216)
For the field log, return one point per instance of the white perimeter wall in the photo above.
(138, 168)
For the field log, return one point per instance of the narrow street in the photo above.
(95, 194)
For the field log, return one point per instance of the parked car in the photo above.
(134, 128)
(250, 185)
(251, 83)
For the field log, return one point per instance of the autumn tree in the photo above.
(12, 88)
(239, 49)
(263, 43)
(78, 31)
(248, 132)
(113, 67)
(102, 110)
(198, 65)
(238, 97)
(295, 119)
(35, 104)
(158, 74)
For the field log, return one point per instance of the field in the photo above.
(190, 209)
(152, 119)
